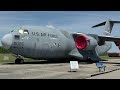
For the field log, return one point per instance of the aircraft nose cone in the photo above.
(7, 41)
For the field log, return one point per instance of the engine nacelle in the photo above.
(84, 42)
(119, 46)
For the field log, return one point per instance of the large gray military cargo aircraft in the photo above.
(51, 44)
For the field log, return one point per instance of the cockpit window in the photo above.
(14, 31)
(26, 32)
(21, 31)
(17, 37)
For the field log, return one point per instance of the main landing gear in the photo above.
(19, 61)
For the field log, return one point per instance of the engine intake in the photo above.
(81, 42)
(85, 42)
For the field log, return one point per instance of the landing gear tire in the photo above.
(19, 61)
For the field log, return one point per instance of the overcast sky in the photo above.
(76, 21)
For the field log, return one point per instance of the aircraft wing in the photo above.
(109, 38)
(100, 37)
(116, 40)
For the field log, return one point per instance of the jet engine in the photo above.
(85, 42)
(117, 44)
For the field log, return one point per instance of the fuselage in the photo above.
(42, 44)
(47, 43)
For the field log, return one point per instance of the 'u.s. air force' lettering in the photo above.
(44, 34)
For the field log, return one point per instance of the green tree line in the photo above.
(2, 50)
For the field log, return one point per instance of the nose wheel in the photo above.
(19, 61)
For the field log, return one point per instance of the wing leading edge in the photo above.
(109, 38)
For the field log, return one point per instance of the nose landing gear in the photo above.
(19, 61)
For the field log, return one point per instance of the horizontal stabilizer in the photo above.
(100, 24)
(103, 23)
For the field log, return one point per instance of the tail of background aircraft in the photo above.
(108, 29)
(108, 26)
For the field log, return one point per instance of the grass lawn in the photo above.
(12, 58)
(107, 57)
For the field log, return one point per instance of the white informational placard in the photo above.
(6, 58)
(74, 65)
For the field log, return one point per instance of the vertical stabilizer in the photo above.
(108, 26)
